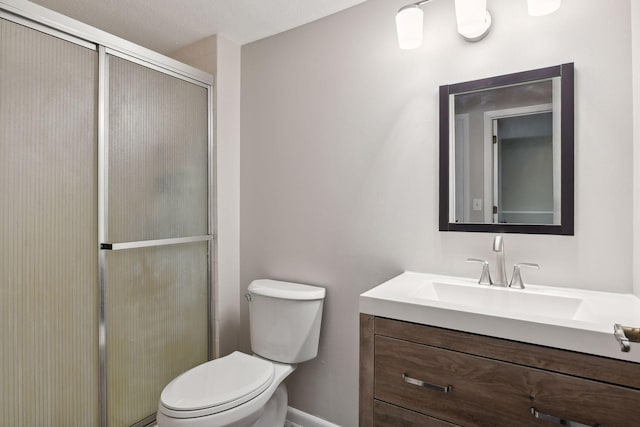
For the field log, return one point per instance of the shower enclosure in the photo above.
(106, 191)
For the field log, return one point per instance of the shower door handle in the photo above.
(151, 243)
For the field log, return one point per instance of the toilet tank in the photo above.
(285, 319)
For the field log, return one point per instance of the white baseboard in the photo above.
(297, 418)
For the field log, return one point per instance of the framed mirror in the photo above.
(507, 153)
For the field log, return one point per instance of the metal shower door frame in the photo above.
(49, 22)
(103, 214)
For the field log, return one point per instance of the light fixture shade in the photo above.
(409, 21)
(473, 19)
(542, 7)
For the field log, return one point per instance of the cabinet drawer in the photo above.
(487, 392)
(386, 415)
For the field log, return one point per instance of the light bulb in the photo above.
(409, 22)
(473, 19)
(542, 7)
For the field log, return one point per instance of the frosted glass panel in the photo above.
(48, 229)
(157, 155)
(157, 324)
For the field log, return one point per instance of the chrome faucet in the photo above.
(500, 278)
(501, 273)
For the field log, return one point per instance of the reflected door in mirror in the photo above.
(524, 170)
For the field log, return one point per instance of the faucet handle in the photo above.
(485, 276)
(516, 277)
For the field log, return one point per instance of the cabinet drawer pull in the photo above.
(557, 420)
(420, 383)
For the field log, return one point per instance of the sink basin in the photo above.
(567, 318)
(515, 301)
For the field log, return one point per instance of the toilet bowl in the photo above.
(242, 390)
(234, 391)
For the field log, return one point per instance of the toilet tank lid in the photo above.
(286, 290)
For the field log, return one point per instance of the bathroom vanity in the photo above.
(430, 358)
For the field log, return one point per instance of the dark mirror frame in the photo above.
(565, 72)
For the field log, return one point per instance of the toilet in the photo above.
(242, 390)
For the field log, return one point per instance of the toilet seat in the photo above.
(217, 386)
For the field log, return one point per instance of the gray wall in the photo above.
(635, 31)
(339, 169)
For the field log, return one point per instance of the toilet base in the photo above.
(271, 413)
(275, 411)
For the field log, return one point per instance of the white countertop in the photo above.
(566, 318)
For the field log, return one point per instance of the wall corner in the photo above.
(635, 79)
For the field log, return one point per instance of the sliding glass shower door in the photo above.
(156, 232)
(105, 230)
(48, 230)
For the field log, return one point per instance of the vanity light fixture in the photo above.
(472, 18)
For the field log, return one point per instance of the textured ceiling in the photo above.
(166, 25)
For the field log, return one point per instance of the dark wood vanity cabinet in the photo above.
(417, 375)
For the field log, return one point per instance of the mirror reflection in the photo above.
(506, 153)
(506, 168)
